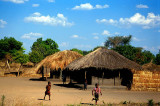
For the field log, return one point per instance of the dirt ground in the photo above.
(23, 91)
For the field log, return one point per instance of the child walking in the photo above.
(48, 88)
(96, 91)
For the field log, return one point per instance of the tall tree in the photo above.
(21, 58)
(9, 46)
(157, 58)
(113, 42)
(42, 48)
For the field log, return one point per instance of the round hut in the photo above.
(151, 67)
(103, 66)
(55, 63)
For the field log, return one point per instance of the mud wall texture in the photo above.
(146, 81)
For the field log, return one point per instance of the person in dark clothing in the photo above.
(48, 88)
(85, 84)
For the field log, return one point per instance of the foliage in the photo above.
(147, 57)
(77, 50)
(41, 49)
(135, 54)
(35, 57)
(2, 100)
(113, 42)
(20, 57)
(150, 102)
(157, 59)
(9, 46)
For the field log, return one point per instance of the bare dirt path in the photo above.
(22, 91)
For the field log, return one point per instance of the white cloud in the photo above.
(116, 33)
(31, 36)
(48, 20)
(152, 49)
(105, 32)
(136, 39)
(96, 37)
(17, 1)
(51, 1)
(110, 21)
(137, 19)
(88, 6)
(75, 36)
(141, 6)
(95, 33)
(2, 23)
(64, 44)
(35, 5)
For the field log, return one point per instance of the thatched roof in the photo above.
(151, 67)
(103, 58)
(59, 60)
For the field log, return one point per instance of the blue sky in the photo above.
(82, 24)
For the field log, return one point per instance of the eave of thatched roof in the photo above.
(58, 60)
(103, 58)
(151, 67)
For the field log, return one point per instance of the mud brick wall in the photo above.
(146, 81)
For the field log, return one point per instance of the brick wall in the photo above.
(146, 81)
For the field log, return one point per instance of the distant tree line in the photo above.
(12, 50)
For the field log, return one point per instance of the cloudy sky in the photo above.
(82, 24)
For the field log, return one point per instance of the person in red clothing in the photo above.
(96, 91)
(48, 88)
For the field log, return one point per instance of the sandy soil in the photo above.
(22, 91)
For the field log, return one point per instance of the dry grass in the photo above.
(103, 58)
(58, 60)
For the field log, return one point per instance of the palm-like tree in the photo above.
(113, 42)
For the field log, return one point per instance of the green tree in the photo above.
(130, 52)
(21, 58)
(9, 46)
(148, 57)
(77, 50)
(42, 48)
(35, 57)
(113, 42)
(157, 58)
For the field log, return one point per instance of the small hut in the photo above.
(55, 63)
(103, 66)
(151, 67)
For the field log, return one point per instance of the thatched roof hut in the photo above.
(103, 58)
(59, 60)
(151, 67)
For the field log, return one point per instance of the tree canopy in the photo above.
(9, 46)
(42, 48)
(115, 41)
(77, 50)
(157, 58)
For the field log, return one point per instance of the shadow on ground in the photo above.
(73, 85)
(38, 79)
(87, 104)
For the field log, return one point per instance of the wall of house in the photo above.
(146, 81)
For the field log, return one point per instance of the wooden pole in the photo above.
(46, 73)
(85, 74)
(114, 81)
